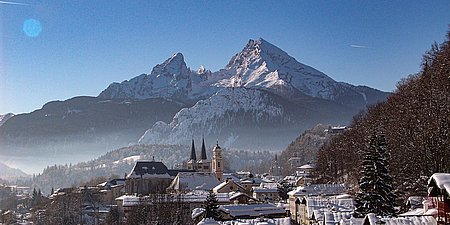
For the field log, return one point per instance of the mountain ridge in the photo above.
(259, 64)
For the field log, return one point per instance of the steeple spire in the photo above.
(193, 155)
(203, 149)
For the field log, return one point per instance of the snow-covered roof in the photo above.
(197, 212)
(252, 210)
(441, 181)
(230, 176)
(420, 212)
(318, 189)
(200, 196)
(307, 167)
(239, 194)
(208, 221)
(186, 181)
(195, 196)
(414, 220)
(225, 183)
(336, 204)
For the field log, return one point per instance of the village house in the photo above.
(229, 186)
(266, 192)
(111, 189)
(302, 210)
(439, 190)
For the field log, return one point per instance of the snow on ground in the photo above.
(128, 160)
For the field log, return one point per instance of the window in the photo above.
(218, 164)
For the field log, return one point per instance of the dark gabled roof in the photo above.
(116, 181)
(149, 167)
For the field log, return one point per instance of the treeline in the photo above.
(416, 122)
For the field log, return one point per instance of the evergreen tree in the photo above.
(283, 188)
(376, 191)
(211, 206)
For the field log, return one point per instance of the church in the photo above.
(205, 165)
(149, 177)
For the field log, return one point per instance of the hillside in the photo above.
(304, 148)
(12, 174)
(416, 123)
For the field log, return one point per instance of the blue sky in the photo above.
(85, 45)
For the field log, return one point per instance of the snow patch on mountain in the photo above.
(210, 115)
(4, 118)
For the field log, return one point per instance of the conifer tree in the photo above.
(211, 206)
(376, 191)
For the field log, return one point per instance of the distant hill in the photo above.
(304, 148)
(12, 174)
(83, 125)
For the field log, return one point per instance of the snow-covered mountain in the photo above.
(4, 118)
(246, 118)
(261, 81)
(259, 65)
(211, 115)
(170, 79)
(263, 65)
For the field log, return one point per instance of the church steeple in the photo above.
(193, 155)
(217, 162)
(203, 149)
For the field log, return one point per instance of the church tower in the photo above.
(217, 162)
(275, 169)
(192, 163)
(203, 164)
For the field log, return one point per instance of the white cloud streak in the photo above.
(359, 46)
(13, 3)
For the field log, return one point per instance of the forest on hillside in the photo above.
(416, 123)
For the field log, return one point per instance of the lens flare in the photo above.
(32, 27)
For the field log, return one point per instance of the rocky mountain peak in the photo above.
(173, 67)
(258, 52)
